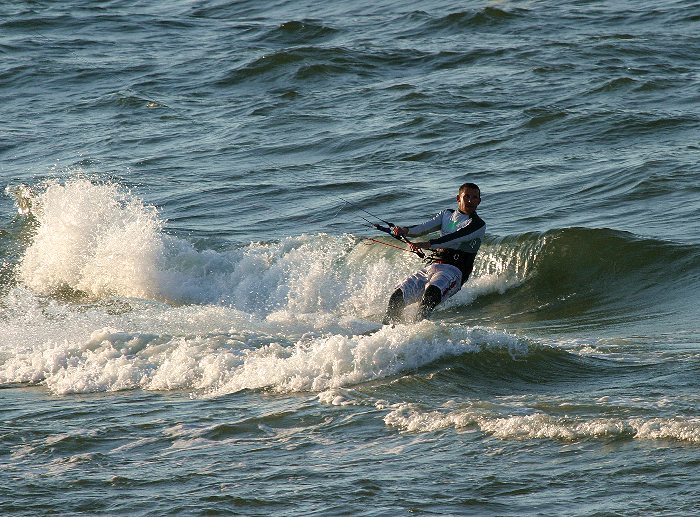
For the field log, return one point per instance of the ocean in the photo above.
(191, 292)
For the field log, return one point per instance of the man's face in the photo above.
(468, 200)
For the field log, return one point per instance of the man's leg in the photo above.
(444, 280)
(410, 291)
(431, 298)
(395, 308)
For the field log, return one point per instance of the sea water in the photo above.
(190, 304)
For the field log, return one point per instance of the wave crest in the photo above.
(538, 426)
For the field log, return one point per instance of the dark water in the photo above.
(187, 295)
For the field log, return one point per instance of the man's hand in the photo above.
(425, 245)
(399, 231)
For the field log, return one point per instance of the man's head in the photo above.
(468, 198)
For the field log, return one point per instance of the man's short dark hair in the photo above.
(466, 186)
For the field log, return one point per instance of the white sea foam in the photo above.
(212, 350)
(93, 238)
(285, 315)
(337, 360)
(102, 240)
(414, 418)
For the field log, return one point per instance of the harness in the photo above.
(459, 259)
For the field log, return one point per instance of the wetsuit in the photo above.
(450, 265)
(460, 238)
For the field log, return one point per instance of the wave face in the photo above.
(100, 241)
(103, 299)
(592, 277)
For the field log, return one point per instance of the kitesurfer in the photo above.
(452, 260)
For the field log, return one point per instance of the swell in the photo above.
(587, 276)
(74, 241)
(498, 365)
(299, 32)
(303, 64)
(471, 19)
(570, 255)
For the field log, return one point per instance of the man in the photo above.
(452, 261)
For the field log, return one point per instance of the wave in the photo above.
(478, 18)
(211, 350)
(299, 32)
(539, 425)
(101, 298)
(581, 275)
(295, 63)
(303, 63)
(422, 23)
(99, 240)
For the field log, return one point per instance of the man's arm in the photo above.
(431, 225)
(474, 231)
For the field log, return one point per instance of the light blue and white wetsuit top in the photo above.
(459, 240)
